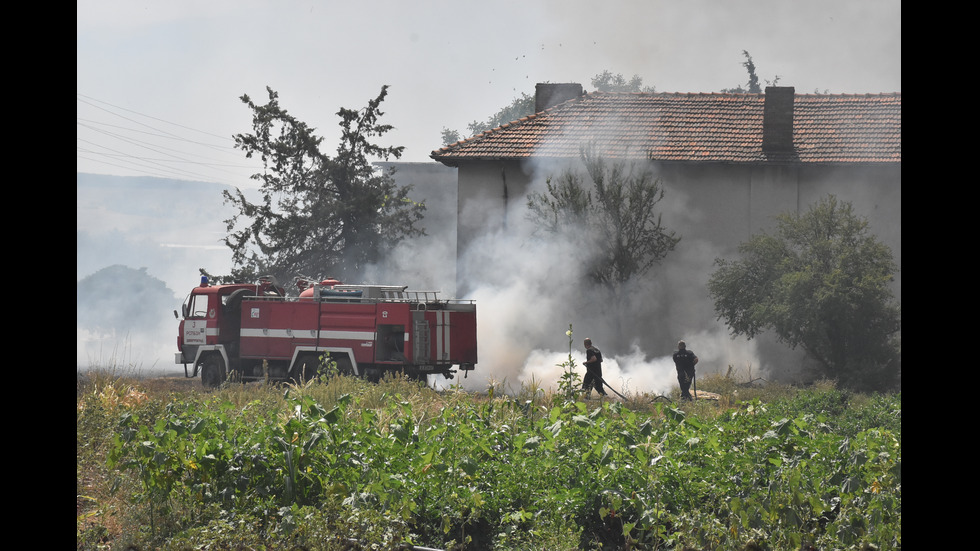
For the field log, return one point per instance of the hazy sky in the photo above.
(158, 82)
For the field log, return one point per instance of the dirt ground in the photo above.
(182, 384)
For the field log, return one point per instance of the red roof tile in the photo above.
(841, 128)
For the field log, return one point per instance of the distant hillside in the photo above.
(139, 244)
(169, 227)
(122, 299)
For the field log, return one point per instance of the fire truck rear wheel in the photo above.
(212, 371)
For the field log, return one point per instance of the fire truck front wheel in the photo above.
(212, 371)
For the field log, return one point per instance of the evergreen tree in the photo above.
(318, 215)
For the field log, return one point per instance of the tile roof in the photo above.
(705, 127)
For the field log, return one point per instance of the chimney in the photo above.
(777, 119)
(549, 95)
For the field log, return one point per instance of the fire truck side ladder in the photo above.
(421, 345)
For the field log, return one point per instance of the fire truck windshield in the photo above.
(196, 306)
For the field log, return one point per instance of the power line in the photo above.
(146, 116)
(157, 147)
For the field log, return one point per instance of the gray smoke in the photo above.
(529, 289)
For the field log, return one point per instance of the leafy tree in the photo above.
(318, 215)
(820, 282)
(450, 136)
(615, 203)
(521, 107)
(607, 82)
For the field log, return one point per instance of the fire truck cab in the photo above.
(256, 332)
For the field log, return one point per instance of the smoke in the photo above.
(139, 352)
(529, 288)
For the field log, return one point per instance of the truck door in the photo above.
(195, 324)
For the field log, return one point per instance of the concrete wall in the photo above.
(720, 203)
(713, 207)
(726, 204)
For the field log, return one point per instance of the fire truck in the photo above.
(248, 332)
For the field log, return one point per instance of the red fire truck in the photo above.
(256, 332)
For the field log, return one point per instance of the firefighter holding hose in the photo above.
(593, 366)
(684, 361)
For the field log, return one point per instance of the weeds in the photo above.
(325, 464)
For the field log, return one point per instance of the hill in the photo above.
(170, 227)
(139, 244)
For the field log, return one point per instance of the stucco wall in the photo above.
(491, 198)
(727, 204)
(721, 204)
(426, 262)
(713, 207)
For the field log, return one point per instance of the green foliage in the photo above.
(821, 281)
(607, 82)
(752, 86)
(615, 213)
(310, 469)
(450, 136)
(569, 382)
(317, 214)
(520, 107)
(523, 105)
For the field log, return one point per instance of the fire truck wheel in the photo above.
(305, 369)
(212, 371)
(344, 366)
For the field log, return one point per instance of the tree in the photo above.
(520, 107)
(607, 82)
(753, 83)
(523, 106)
(821, 281)
(616, 210)
(318, 216)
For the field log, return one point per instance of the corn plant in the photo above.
(569, 382)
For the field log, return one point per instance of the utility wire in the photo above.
(125, 146)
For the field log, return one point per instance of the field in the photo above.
(344, 464)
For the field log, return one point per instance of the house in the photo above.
(729, 163)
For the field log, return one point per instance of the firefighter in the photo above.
(684, 361)
(593, 366)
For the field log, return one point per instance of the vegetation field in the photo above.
(345, 464)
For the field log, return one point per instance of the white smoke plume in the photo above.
(529, 290)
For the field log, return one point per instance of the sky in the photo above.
(158, 83)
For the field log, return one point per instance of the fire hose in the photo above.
(603, 381)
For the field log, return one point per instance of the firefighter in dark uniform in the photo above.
(684, 361)
(593, 373)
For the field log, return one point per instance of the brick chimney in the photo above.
(777, 119)
(549, 95)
